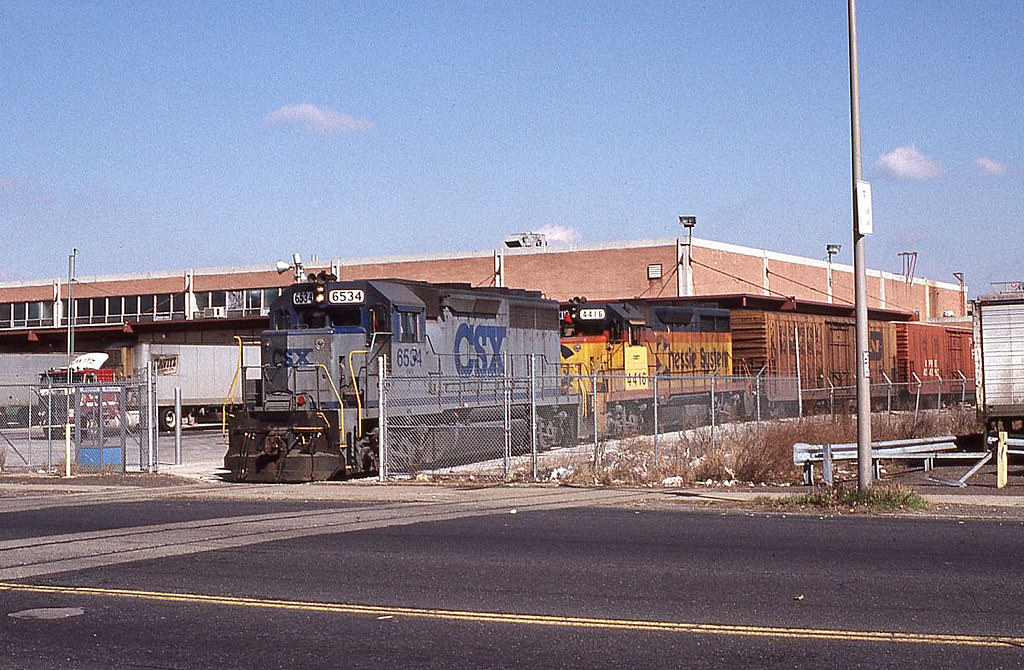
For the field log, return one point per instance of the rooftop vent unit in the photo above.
(521, 240)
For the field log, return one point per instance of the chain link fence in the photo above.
(499, 427)
(104, 426)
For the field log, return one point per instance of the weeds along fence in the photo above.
(518, 426)
(105, 427)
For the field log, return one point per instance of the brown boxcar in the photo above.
(827, 346)
(933, 352)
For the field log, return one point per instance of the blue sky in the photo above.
(170, 135)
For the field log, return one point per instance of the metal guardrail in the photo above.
(927, 449)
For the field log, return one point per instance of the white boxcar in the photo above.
(999, 357)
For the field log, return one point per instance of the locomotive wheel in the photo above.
(368, 460)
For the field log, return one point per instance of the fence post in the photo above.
(151, 417)
(713, 375)
(939, 401)
(49, 423)
(382, 418)
(963, 388)
(888, 393)
(506, 392)
(917, 399)
(657, 429)
(533, 412)
(799, 382)
(177, 425)
(831, 397)
(593, 409)
(757, 391)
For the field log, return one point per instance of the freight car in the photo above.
(312, 407)
(628, 343)
(935, 359)
(802, 351)
(999, 341)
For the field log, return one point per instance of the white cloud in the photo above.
(316, 119)
(558, 234)
(990, 166)
(909, 163)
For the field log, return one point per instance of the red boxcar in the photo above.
(933, 352)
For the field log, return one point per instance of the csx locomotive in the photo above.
(312, 408)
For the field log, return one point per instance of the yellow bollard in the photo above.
(1001, 465)
(67, 450)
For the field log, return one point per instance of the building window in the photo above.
(40, 313)
(114, 309)
(177, 305)
(82, 312)
(20, 315)
(269, 296)
(146, 304)
(235, 302)
(5, 315)
(253, 301)
(131, 307)
(99, 310)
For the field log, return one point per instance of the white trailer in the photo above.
(999, 359)
(26, 368)
(203, 372)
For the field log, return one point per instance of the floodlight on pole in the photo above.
(831, 250)
(684, 257)
(296, 265)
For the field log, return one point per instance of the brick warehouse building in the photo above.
(212, 305)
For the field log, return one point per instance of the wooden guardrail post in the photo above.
(1001, 458)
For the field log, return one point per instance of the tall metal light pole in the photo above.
(831, 250)
(71, 308)
(861, 227)
(684, 256)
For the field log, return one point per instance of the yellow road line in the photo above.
(893, 637)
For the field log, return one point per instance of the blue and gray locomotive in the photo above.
(312, 411)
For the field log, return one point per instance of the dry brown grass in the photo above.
(744, 453)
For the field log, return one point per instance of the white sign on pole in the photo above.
(865, 225)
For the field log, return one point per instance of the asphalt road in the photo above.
(569, 579)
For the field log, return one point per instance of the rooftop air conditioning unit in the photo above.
(215, 312)
(522, 240)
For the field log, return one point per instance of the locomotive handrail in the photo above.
(355, 380)
(337, 395)
(231, 391)
(355, 386)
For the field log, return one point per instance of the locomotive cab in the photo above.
(311, 408)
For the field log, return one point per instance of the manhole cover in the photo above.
(48, 613)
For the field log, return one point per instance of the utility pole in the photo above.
(862, 225)
(71, 308)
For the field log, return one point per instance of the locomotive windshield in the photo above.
(301, 318)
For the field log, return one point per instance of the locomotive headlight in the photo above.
(320, 294)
